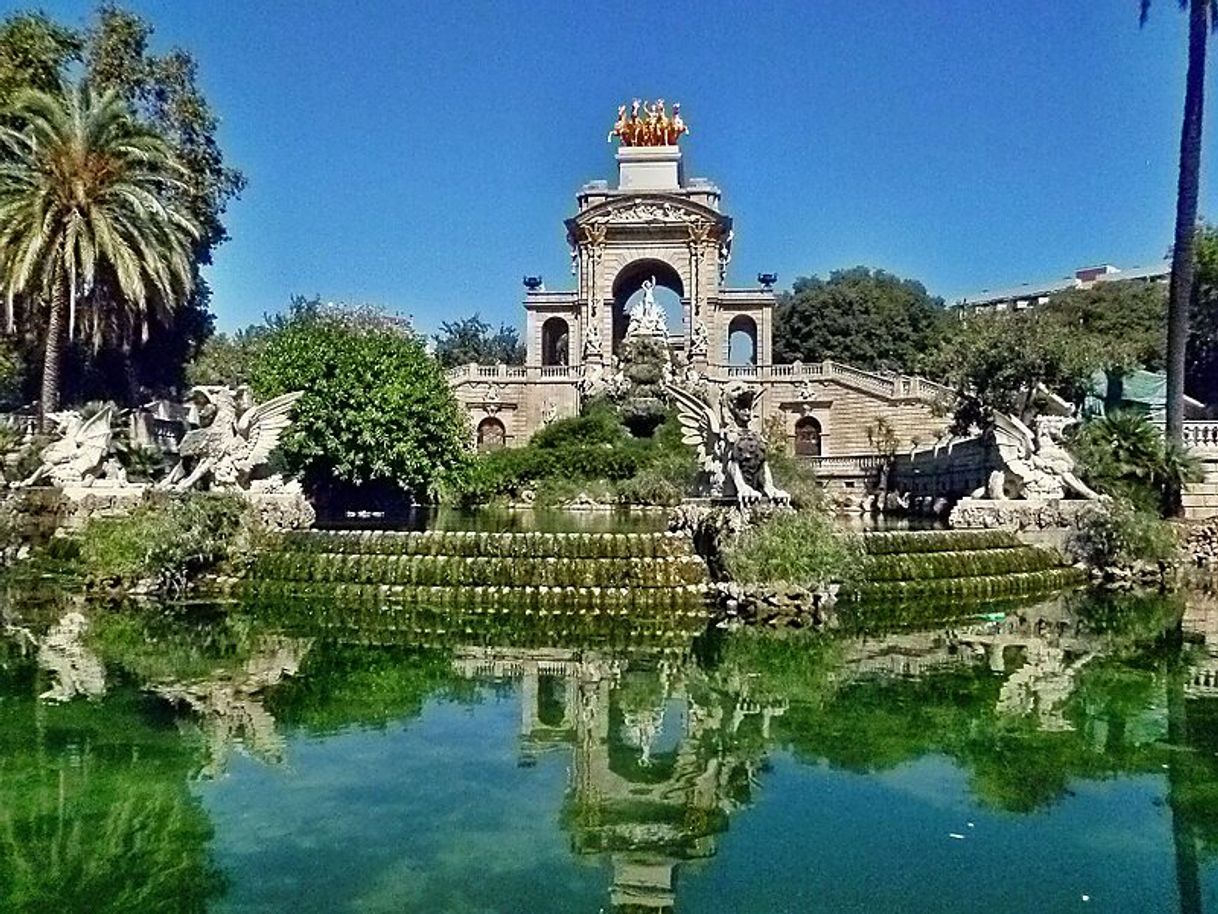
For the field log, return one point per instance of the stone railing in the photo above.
(846, 464)
(512, 373)
(891, 387)
(22, 423)
(1201, 436)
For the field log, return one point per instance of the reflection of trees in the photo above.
(216, 666)
(667, 739)
(1024, 704)
(95, 809)
(346, 685)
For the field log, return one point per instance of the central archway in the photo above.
(627, 289)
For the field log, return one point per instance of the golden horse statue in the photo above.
(648, 124)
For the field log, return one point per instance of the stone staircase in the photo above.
(587, 573)
(949, 566)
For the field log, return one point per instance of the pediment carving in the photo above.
(652, 211)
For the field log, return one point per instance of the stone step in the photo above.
(490, 544)
(534, 602)
(469, 571)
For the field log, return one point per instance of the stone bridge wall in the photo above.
(948, 471)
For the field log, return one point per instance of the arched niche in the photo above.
(491, 434)
(555, 342)
(742, 341)
(627, 289)
(551, 700)
(807, 437)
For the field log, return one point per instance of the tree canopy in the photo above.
(88, 212)
(994, 359)
(474, 340)
(229, 358)
(867, 318)
(1201, 378)
(376, 405)
(1123, 322)
(113, 53)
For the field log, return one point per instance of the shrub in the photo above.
(593, 453)
(1119, 534)
(1123, 454)
(801, 548)
(165, 542)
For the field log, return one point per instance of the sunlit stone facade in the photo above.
(657, 225)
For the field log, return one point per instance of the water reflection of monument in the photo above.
(664, 749)
(1040, 651)
(656, 766)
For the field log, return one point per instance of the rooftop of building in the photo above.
(1080, 279)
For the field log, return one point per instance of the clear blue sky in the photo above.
(422, 156)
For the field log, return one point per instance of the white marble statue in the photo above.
(78, 456)
(647, 317)
(592, 342)
(731, 452)
(236, 443)
(699, 343)
(1040, 466)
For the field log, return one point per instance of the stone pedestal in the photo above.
(649, 168)
(1019, 514)
(281, 511)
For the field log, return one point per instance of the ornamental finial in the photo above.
(651, 127)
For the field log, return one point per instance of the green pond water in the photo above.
(1060, 757)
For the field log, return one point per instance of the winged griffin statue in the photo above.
(237, 441)
(731, 453)
(78, 456)
(1041, 467)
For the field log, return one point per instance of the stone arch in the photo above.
(492, 435)
(555, 342)
(808, 437)
(551, 700)
(742, 340)
(628, 282)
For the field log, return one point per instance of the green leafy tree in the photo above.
(1202, 16)
(867, 318)
(376, 405)
(1122, 321)
(113, 52)
(86, 193)
(229, 358)
(1202, 369)
(34, 53)
(993, 361)
(474, 340)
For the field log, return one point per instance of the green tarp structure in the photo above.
(1144, 391)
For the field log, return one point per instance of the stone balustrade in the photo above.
(862, 465)
(888, 387)
(21, 423)
(513, 373)
(1201, 436)
(892, 387)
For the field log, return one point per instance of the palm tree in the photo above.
(89, 213)
(1201, 17)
